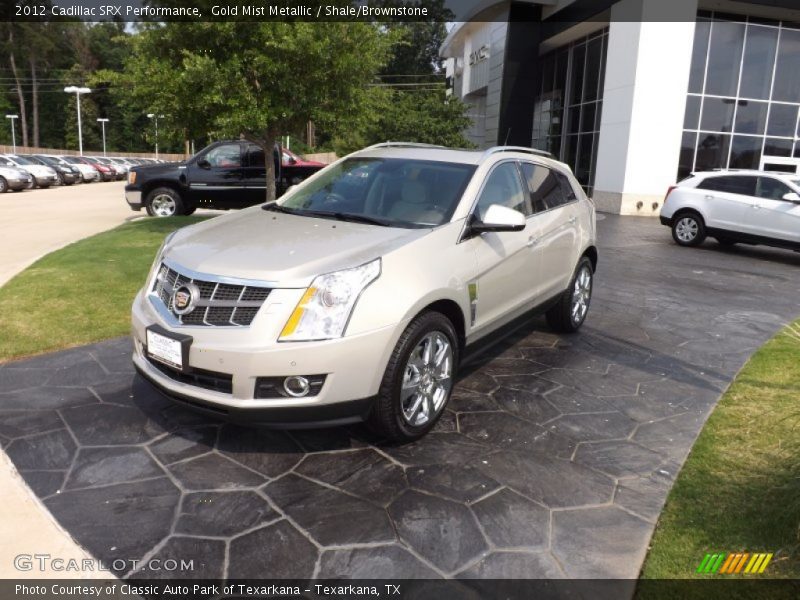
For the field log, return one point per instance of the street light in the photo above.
(13, 135)
(103, 125)
(71, 89)
(156, 117)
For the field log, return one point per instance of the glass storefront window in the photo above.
(692, 116)
(724, 55)
(569, 130)
(745, 152)
(743, 94)
(751, 117)
(712, 151)
(787, 82)
(782, 120)
(717, 114)
(759, 57)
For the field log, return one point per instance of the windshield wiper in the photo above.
(343, 216)
(274, 206)
(326, 214)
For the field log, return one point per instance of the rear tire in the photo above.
(164, 202)
(571, 309)
(688, 229)
(189, 210)
(3, 185)
(418, 380)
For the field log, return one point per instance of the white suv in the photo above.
(752, 207)
(355, 295)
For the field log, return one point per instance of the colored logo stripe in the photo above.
(735, 562)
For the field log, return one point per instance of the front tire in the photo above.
(418, 380)
(3, 185)
(163, 202)
(569, 312)
(688, 229)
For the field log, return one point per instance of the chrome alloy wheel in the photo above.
(581, 295)
(427, 379)
(163, 205)
(686, 229)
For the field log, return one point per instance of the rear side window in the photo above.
(731, 184)
(255, 156)
(771, 188)
(544, 187)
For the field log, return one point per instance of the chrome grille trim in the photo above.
(221, 304)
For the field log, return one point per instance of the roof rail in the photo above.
(496, 149)
(403, 145)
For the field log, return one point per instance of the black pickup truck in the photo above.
(224, 175)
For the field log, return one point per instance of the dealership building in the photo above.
(633, 94)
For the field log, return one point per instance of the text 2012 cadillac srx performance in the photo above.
(355, 295)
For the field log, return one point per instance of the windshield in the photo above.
(394, 191)
(21, 160)
(73, 160)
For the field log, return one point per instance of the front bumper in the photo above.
(46, 180)
(134, 199)
(353, 367)
(18, 184)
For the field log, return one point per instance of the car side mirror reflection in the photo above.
(792, 197)
(203, 164)
(499, 218)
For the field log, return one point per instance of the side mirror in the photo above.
(792, 197)
(499, 218)
(203, 164)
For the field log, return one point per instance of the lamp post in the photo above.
(155, 117)
(71, 89)
(13, 135)
(103, 125)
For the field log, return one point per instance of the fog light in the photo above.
(296, 386)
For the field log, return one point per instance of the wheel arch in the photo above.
(684, 210)
(149, 186)
(451, 310)
(591, 254)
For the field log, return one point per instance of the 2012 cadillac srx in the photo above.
(354, 296)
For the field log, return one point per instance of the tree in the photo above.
(416, 51)
(256, 80)
(423, 116)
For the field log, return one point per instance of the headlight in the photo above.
(131, 177)
(325, 308)
(157, 262)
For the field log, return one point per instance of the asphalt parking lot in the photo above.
(553, 460)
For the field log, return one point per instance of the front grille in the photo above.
(219, 305)
(209, 380)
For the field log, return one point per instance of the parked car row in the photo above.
(28, 171)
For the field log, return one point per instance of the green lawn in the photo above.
(82, 293)
(739, 490)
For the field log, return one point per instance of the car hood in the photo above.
(13, 172)
(39, 170)
(287, 249)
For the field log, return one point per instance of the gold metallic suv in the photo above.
(355, 295)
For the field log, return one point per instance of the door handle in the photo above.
(756, 206)
(532, 241)
(707, 197)
(572, 220)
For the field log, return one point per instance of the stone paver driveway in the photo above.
(553, 460)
